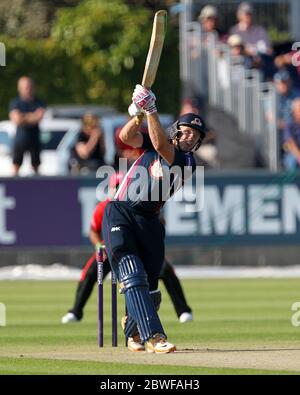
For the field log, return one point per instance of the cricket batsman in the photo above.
(88, 276)
(132, 231)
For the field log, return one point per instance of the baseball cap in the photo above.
(209, 11)
(235, 40)
(245, 8)
(193, 121)
(282, 75)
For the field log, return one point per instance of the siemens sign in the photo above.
(237, 209)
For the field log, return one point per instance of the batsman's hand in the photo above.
(145, 99)
(134, 110)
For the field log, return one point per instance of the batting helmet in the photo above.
(194, 121)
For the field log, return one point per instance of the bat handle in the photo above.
(139, 119)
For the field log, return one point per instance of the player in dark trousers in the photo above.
(89, 273)
(132, 231)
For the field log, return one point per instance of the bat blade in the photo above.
(155, 48)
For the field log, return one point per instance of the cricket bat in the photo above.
(156, 44)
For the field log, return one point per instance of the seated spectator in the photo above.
(291, 139)
(255, 37)
(239, 62)
(238, 53)
(88, 153)
(286, 93)
(233, 70)
(291, 63)
(208, 19)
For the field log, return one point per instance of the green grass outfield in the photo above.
(240, 327)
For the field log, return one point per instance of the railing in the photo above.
(209, 69)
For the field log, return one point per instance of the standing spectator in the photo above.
(291, 139)
(88, 153)
(208, 19)
(238, 53)
(234, 70)
(26, 111)
(255, 37)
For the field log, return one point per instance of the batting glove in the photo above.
(134, 110)
(145, 99)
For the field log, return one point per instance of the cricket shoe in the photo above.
(185, 317)
(159, 345)
(69, 318)
(134, 343)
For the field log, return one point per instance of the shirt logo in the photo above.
(155, 169)
(115, 229)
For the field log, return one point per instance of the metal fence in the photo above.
(209, 69)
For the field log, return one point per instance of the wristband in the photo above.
(151, 109)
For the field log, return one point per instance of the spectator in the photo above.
(88, 153)
(26, 111)
(255, 37)
(238, 54)
(285, 62)
(291, 139)
(286, 93)
(208, 19)
(234, 70)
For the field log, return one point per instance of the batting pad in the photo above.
(140, 305)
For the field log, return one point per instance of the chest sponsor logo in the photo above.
(156, 170)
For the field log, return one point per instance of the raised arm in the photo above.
(159, 139)
(131, 135)
(144, 100)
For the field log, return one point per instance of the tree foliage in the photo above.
(108, 40)
(95, 54)
(30, 18)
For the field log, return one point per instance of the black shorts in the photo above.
(126, 232)
(22, 146)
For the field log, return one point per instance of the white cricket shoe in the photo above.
(159, 345)
(134, 343)
(186, 317)
(68, 318)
